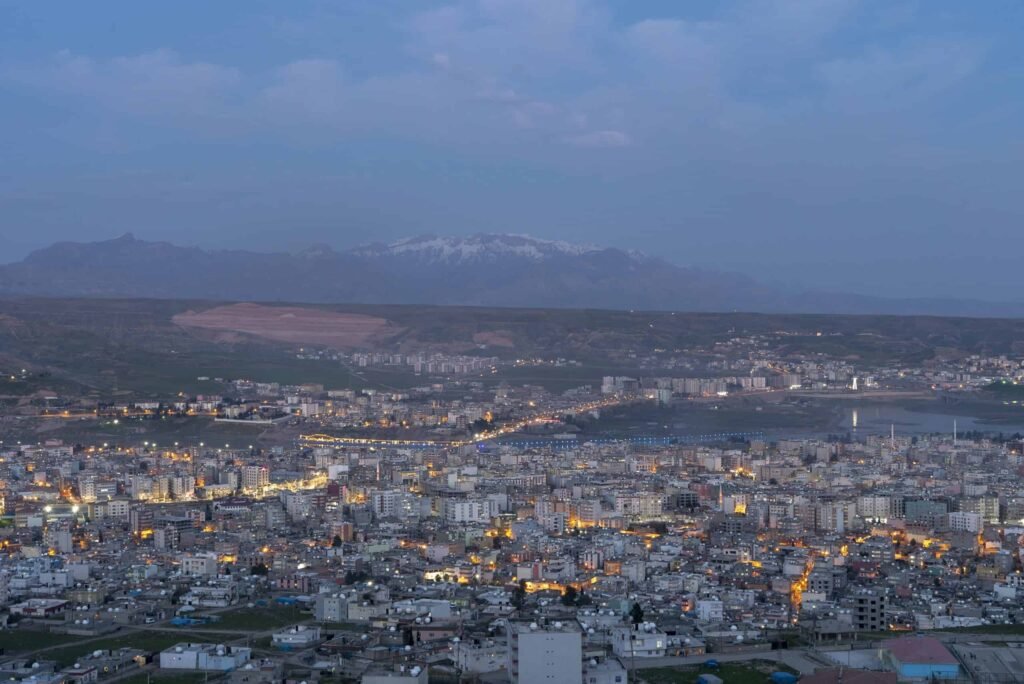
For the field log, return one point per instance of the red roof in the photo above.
(920, 650)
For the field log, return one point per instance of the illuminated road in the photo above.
(491, 435)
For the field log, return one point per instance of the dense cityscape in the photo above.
(469, 529)
(511, 342)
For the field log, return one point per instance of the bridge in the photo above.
(533, 443)
(640, 440)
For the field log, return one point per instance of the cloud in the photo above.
(600, 139)
(159, 82)
(888, 78)
(310, 89)
(492, 73)
(777, 124)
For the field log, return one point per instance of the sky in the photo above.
(850, 145)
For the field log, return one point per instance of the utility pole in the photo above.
(632, 656)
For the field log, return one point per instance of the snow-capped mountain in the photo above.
(479, 247)
(478, 270)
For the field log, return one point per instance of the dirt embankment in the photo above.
(292, 324)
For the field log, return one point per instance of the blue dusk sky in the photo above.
(857, 145)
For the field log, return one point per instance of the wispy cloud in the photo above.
(600, 139)
(151, 83)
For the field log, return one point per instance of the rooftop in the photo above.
(920, 650)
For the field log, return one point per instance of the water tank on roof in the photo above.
(783, 678)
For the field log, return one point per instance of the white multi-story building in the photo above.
(556, 521)
(834, 516)
(709, 610)
(551, 654)
(87, 488)
(118, 508)
(639, 641)
(477, 657)
(299, 636)
(183, 487)
(644, 505)
(469, 510)
(215, 657)
(298, 505)
(384, 503)
(874, 507)
(965, 522)
(331, 607)
(199, 564)
(604, 671)
(255, 477)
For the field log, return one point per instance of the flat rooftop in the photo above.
(992, 663)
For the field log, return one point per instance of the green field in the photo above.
(261, 618)
(159, 677)
(115, 346)
(20, 640)
(146, 641)
(1006, 390)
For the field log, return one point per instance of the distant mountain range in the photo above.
(478, 270)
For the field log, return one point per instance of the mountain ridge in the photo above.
(484, 269)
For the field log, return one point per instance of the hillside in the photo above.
(148, 346)
(479, 270)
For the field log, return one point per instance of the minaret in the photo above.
(892, 436)
(954, 432)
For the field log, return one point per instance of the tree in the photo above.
(260, 569)
(519, 595)
(336, 542)
(636, 614)
(570, 596)
(355, 576)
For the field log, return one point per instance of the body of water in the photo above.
(876, 419)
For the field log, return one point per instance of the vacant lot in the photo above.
(261, 618)
(20, 640)
(291, 324)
